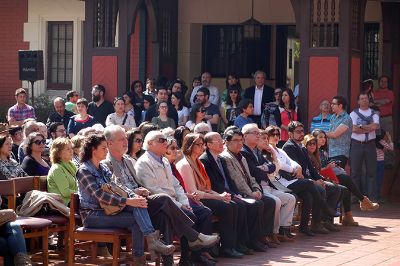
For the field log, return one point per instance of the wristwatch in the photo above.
(359, 126)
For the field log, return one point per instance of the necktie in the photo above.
(221, 169)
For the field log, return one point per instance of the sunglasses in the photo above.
(138, 140)
(312, 143)
(234, 92)
(201, 111)
(203, 132)
(162, 140)
(275, 135)
(38, 142)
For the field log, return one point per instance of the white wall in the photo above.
(35, 33)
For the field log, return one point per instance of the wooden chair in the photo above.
(94, 236)
(31, 226)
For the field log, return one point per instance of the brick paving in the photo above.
(375, 242)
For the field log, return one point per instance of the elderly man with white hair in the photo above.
(165, 210)
(202, 128)
(60, 114)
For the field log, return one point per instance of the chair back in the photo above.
(7, 192)
(24, 184)
(73, 210)
(40, 183)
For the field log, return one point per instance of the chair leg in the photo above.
(71, 249)
(45, 245)
(93, 250)
(116, 250)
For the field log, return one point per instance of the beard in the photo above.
(95, 98)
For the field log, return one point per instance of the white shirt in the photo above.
(258, 93)
(181, 115)
(214, 94)
(358, 121)
(285, 164)
(114, 119)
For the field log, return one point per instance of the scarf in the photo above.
(200, 175)
(178, 175)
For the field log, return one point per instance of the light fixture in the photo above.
(252, 27)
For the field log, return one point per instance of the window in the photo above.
(225, 50)
(59, 59)
(371, 51)
(105, 23)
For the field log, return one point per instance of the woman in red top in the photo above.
(288, 110)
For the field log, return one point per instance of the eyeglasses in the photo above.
(201, 111)
(163, 107)
(311, 143)
(275, 135)
(334, 103)
(254, 133)
(199, 144)
(162, 140)
(38, 142)
(203, 132)
(138, 140)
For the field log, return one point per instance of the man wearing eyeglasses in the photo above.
(166, 200)
(339, 132)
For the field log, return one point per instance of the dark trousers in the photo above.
(331, 194)
(254, 220)
(346, 181)
(343, 160)
(241, 222)
(312, 200)
(268, 214)
(227, 214)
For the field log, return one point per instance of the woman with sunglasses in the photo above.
(289, 174)
(33, 163)
(135, 143)
(120, 117)
(9, 168)
(288, 111)
(230, 107)
(342, 178)
(196, 116)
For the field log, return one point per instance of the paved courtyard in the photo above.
(375, 242)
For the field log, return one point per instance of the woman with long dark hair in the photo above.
(230, 107)
(33, 163)
(288, 110)
(178, 101)
(135, 143)
(136, 91)
(197, 115)
(9, 168)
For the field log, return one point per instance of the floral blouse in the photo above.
(10, 169)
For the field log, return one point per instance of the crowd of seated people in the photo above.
(192, 159)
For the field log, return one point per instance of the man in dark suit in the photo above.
(249, 215)
(260, 94)
(332, 193)
(162, 96)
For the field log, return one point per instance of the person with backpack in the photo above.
(363, 148)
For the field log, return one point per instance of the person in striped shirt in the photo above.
(323, 120)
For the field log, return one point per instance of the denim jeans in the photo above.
(11, 242)
(135, 219)
(380, 171)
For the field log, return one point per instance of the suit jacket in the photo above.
(254, 161)
(267, 97)
(216, 177)
(245, 187)
(300, 155)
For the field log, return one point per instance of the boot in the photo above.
(22, 259)
(139, 261)
(103, 252)
(275, 239)
(204, 241)
(318, 229)
(348, 220)
(367, 205)
(155, 245)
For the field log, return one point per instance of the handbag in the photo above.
(7, 215)
(113, 189)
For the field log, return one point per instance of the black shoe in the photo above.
(330, 212)
(331, 227)
(288, 233)
(231, 253)
(319, 229)
(186, 262)
(243, 249)
(257, 246)
(306, 231)
(206, 261)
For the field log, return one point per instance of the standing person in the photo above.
(162, 96)
(384, 100)
(230, 107)
(17, 113)
(323, 120)
(213, 91)
(288, 110)
(90, 177)
(17, 138)
(162, 120)
(212, 111)
(61, 177)
(81, 120)
(33, 163)
(246, 111)
(249, 214)
(60, 114)
(260, 94)
(196, 180)
(383, 143)
(99, 107)
(259, 169)
(177, 100)
(72, 97)
(120, 117)
(271, 115)
(247, 185)
(339, 132)
(363, 148)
